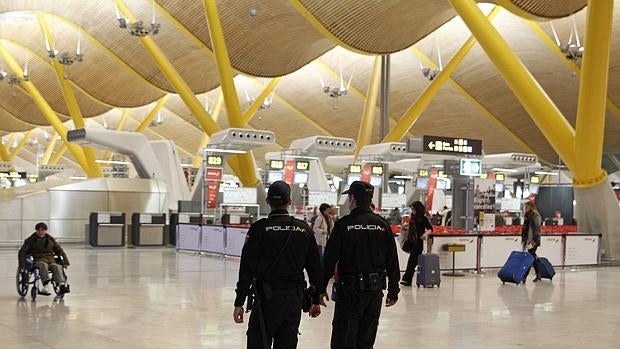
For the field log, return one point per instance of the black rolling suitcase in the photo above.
(545, 269)
(428, 270)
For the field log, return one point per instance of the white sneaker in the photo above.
(45, 290)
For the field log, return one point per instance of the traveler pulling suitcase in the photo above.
(516, 266)
(428, 270)
(545, 269)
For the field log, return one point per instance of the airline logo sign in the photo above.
(453, 146)
(213, 177)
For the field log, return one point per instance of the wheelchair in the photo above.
(32, 277)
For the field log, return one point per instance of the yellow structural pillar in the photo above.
(243, 165)
(4, 154)
(412, 115)
(590, 130)
(547, 117)
(58, 154)
(173, 76)
(70, 100)
(21, 144)
(473, 101)
(364, 135)
(46, 110)
(249, 113)
(205, 137)
(49, 150)
(151, 115)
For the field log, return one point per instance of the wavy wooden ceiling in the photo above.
(278, 40)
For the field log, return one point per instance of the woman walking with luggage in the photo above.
(530, 234)
(419, 228)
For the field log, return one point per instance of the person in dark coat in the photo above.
(530, 234)
(42, 247)
(419, 228)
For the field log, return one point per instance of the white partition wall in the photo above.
(213, 239)
(582, 249)
(462, 260)
(552, 248)
(496, 249)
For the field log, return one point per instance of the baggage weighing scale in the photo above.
(454, 248)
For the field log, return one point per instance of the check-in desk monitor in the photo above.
(106, 229)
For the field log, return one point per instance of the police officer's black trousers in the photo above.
(282, 316)
(356, 318)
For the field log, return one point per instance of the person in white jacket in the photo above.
(322, 227)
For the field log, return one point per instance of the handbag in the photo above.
(407, 246)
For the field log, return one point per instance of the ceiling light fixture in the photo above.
(546, 173)
(138, 28)
(429, 72)
(113, 162)
(499, 169)
(222, 151)
(337, 91)
(572, 51)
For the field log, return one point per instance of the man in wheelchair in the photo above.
(43, 247)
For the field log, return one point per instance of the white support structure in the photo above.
(151, 159)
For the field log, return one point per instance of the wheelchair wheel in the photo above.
(33, 292)
(21, 281)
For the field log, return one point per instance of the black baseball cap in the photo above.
(360, 190)
(279, 193)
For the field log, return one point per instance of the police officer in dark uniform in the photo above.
(276, 252)
(363, 248)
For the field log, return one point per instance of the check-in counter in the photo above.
(188, 237)
(495, 249)
(106, 229)
(582, 249)
(181, 218)
(462, 260)
(148, 229)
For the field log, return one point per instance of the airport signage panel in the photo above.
(471, 167)
(302, 166)
(355, 168)
(214, 160)
(276, 164)
(451, 146)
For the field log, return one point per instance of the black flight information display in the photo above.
(214, 160)
(355, 168)
(302, 165)
(276, 165)
(453, 146)
(377, 170)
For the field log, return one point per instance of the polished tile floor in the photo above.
(157, 298)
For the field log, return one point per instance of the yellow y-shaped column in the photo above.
(205, 137)
(540, 107)
(46, 110)
(244, 165)
(413, 113)
(49, 150)
(364, 134)
(21, 144)
(593, 95)
(70, 101)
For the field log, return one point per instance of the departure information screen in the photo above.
(214, 160)
(302, 165)
(355, 168)
(453, 146)
(276, 165)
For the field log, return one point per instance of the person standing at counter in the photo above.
(530, 234)
(323, 227)
(419, 228)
